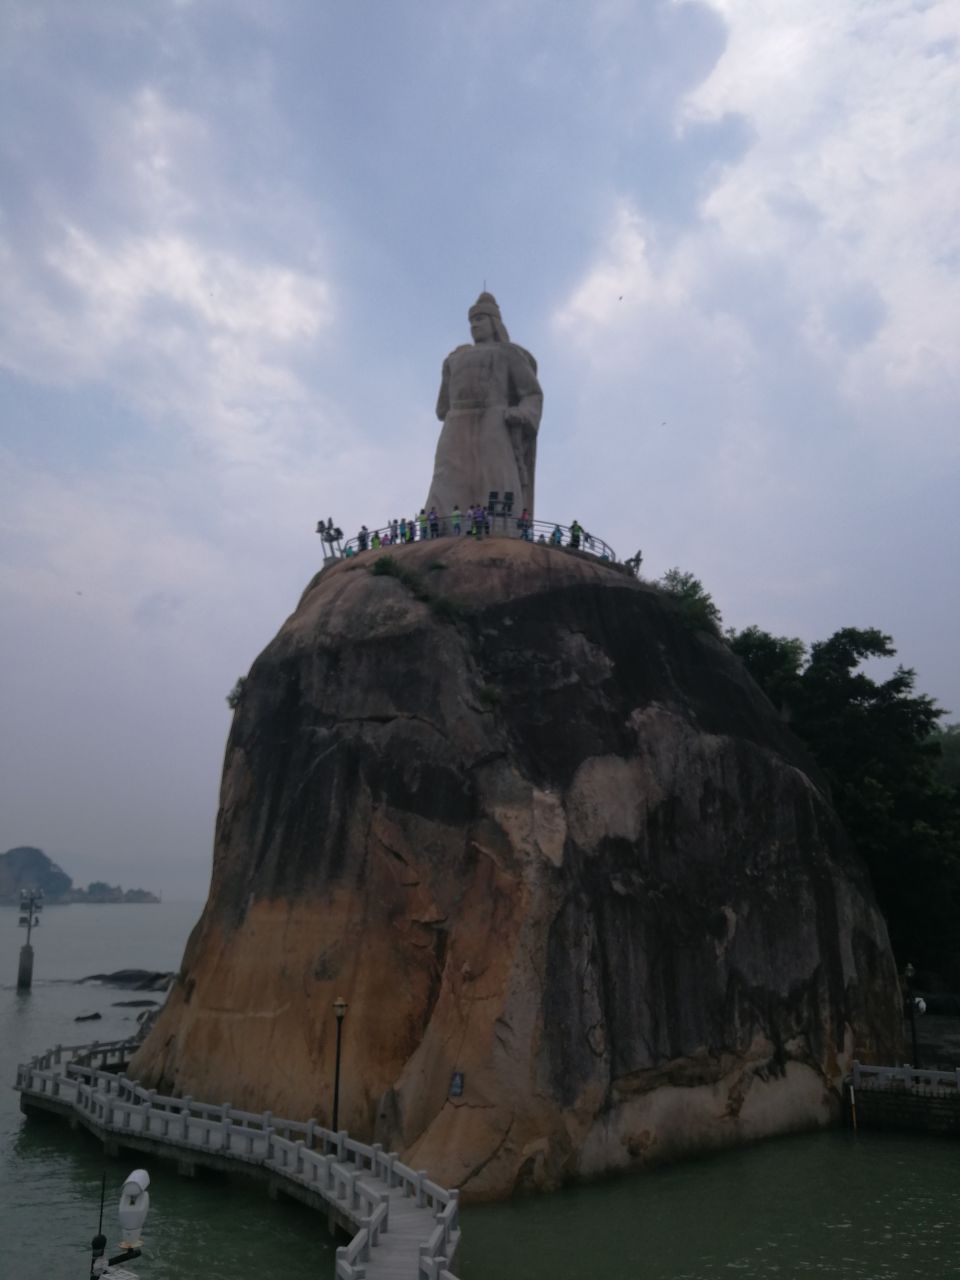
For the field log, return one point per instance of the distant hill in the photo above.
(28, 868)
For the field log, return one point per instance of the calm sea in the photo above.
(870, 1208)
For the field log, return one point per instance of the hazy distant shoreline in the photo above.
(26, 868)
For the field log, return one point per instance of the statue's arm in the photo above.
(443, 399)
(526, 397)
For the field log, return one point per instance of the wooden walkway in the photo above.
(405, 1226)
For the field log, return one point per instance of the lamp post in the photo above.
(31, 904)
(339, 1008)
(908, 973)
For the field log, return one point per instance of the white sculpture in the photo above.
(490, 404)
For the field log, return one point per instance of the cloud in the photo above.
(177, 326)
(853, 109)
(833, 238)
(800, 337)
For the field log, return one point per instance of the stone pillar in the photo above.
(25, 968)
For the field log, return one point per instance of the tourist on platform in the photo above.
(479, 520)
(411, 529)
(576, 533)
(456, 519)
(422, 521)
(523, 524)
(362, 538)
(403, 530)
(542, 539)
(434, 520)
(557, 536)
(375, 540)
(394, 532)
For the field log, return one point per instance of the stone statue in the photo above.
(490, 403)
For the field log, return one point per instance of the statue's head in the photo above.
(485, 322)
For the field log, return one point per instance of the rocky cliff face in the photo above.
(537, 831)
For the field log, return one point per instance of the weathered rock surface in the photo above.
(541, 833)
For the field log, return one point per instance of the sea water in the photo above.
(873, 1207)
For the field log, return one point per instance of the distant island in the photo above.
(29, 868)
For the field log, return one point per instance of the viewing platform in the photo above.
(494, 525)
(404, 1226)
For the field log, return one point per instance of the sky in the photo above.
(237, 240)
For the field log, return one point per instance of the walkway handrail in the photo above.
(497, 526)
(906, 1077)
(332, 1164)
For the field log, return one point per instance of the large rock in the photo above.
(536, 830)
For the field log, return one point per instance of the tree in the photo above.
(694, 599)
(236, 693)
(877, 744)
(945, 743)
(775, 662)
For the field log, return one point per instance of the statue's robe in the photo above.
(478, 452)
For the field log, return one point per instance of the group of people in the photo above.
(475, 522)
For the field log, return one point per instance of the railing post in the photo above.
(311, 1129)
(185, 1117)
(298, 1157)
(342, 1144)
(421, 1198)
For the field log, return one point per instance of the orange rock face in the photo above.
(536, 831)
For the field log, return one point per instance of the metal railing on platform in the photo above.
(543, 532)
(905, 1077)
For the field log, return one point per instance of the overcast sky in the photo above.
(237, 239)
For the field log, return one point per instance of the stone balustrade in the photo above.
(404, 1223)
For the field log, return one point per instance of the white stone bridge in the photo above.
(404, 1226)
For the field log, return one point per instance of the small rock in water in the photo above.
(88, 1017)
(133, 1004)
(137, 979)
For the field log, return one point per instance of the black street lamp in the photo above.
(908, 974)
(339, 1008)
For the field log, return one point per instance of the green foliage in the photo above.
(387, 567)
(490, 696)
(944, 743)
(695, 601)
(236, 693)
(444, 609)
(879, 747)
(775, 662)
